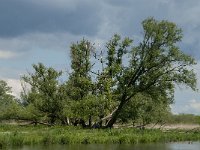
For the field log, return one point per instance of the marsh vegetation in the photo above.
(12, 135)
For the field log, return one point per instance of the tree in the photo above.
(8, 103)
(46, 94)
(156, 65)
(79, 82)
(134, 80)
(79, 86)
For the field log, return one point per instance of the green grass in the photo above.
(11, 135)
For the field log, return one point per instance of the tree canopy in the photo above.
(121, 82)
(156, 65)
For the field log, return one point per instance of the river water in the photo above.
(166, 146)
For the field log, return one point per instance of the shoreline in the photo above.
(12, 135)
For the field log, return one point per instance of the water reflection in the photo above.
(167, 146)
(184, 146)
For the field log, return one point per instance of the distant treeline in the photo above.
(183, 119)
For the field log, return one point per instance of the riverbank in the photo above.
(12, 135)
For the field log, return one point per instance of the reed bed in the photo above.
(12, 135)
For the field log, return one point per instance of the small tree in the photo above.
(9, 107)
(79, 86)
(80, 80)
(46, 92)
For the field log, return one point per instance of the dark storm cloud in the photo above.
(96, 19)
(184, 13)
(19, 17)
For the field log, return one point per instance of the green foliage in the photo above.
(79, 86)
(143, 110)
(183, 119)
(9, 106)
(5, 94)
(46, 95)
(79, 83)
(156, 65)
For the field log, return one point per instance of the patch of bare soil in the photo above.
(175, 126)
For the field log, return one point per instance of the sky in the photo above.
(33, 31)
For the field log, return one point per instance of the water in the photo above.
(167, 146)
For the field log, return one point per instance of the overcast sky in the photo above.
(33, 31)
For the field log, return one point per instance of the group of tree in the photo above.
(122, 83)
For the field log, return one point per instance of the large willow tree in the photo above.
(156, 65)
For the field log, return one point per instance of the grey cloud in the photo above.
(19, 17)
(42, 41)
(97, 19)
(130, 14)
(184, 13)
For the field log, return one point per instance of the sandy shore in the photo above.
(165, 126)
(175, 126)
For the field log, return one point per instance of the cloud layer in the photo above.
(23, 17)
(7, 54)
(95, 19)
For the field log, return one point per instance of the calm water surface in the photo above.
(168, 146)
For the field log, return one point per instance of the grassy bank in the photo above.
(11, 135)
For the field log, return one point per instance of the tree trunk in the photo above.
(52, 119)
(65, 121)
(90, 121)
(82, 122)
(115, 115)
